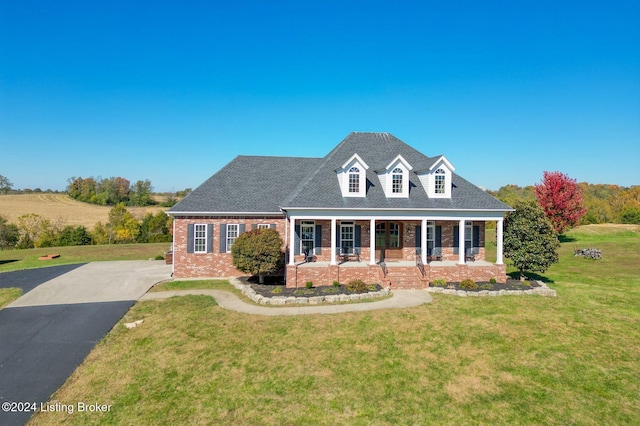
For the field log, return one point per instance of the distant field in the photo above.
(60, 207)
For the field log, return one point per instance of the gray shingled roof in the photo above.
(264, 184)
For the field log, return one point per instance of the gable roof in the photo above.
(251, 184)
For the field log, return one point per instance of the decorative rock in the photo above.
(483, 293)
(302, 300)
(289, 300)
(316, 299)
(461, 293)
(449, 291)
(472, 294)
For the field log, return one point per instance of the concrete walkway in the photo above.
(228, 300)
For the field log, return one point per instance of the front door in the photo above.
(389, 240)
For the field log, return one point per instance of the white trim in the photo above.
(395, 161)
(461, 228)
(350, 162)
(372, 242)
(333, 241)
(226, 242)
(439, 162)
(244, 214)
(201, 239)
(499, 241)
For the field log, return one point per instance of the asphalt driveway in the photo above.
(47, 333)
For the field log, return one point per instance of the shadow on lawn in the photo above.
(531, 276)
(4, 262)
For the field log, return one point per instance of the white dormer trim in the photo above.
(352, 177)
(395, 178)
(437, 181)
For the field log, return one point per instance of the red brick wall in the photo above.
(216, 264)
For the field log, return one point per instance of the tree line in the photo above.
(34, 231)
(603, 203)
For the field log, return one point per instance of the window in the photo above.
(354, 180)
(232, 233)
(468, 234)
(200, 238)
(396, 181)
(431, 235)
(307, 236)
(347, 234)
(440, 179)
(263, 226)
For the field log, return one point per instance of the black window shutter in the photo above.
(418, 239)
(223, 238)
(296, 240)
(476, 240)
(358, 237)
(456, 240)
(318, 241)
(210, 238)
(241, 228)
(337, 235)
(438, 236)
(190, 240)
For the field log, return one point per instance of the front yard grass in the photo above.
(573, 359)
(8, 295)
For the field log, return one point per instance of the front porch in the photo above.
(400, 274)
(401, 250)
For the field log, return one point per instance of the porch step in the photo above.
(404, 277)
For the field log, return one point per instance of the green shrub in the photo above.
(277, 290)
(309, 284)
(357, 286)
(336, 284)
(492, 280)
(439, 282)
(486, 286)
(469, 284)
(159, 257)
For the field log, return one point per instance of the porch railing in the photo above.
(383, 265)
(420, 265)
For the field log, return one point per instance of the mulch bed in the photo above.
(511, 284)
(268, 289)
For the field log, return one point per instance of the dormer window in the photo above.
(354, 180)
(440, 179)
(352, 177)
(397, 180)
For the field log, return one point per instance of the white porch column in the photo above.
(499, 238)
(292, 240)
(372, 242)
(333, 241)
(461, 242)
(423, 242)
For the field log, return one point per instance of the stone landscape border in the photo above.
(315, 300)
(543, 290)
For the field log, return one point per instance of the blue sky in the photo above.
(172, 91)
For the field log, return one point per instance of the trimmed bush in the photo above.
(309, 284)
(492, 280)
(357, 286)
(439, 282)
(469, 284)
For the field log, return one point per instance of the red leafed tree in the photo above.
(561, 199)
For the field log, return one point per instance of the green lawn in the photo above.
(510, 360)
(11, 260)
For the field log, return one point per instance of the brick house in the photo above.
(374, 208)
